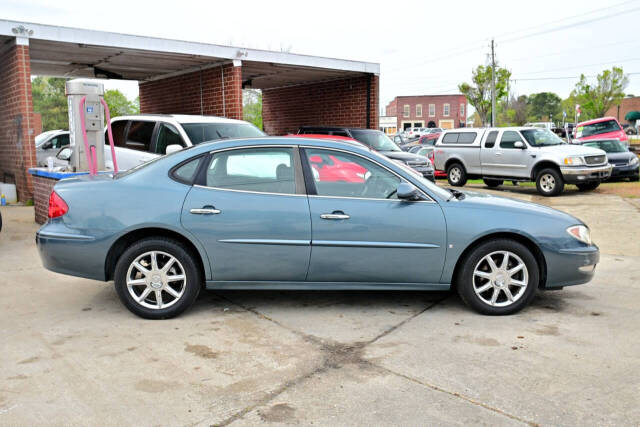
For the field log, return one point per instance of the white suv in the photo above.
(140, 138)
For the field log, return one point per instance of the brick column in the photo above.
(215, 91)
(17, 149)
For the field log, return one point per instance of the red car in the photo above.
(602, 128)
(329, 168)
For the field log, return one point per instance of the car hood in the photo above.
(571, 150)
(473, 200)
(404, 156)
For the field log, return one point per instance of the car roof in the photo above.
(332, 128)
(180, 118)
(598, 120)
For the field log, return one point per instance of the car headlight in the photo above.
(573, 161)
(634, 161)
(580, 232)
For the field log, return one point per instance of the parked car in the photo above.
(49, 143)
(379, 142)
(625, 163)
(428, 151)
(519, 154)
(629, 129)
(140, 138)
(247, 214)
(399, 139)
(602, 128)
(414, 133)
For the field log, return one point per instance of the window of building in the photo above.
(461, 110)
(407, 110)
(445, 110)
(432, 110)
(419, 110)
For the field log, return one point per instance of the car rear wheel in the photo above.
(493, 183)
(456, 175)
(498, 277)
(157, 278)
(549, 182)
(588, 186)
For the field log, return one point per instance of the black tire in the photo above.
(465, 278)
(588, 186)
(186, 261)
(493, 183)
(543, 182)
(459, 178)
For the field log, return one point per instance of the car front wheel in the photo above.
(157, 278)
(549, 182)
(498, 277)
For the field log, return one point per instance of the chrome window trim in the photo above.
(429, 198)
(248, 191)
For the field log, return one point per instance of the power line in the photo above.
(582, 66)
(563, 78)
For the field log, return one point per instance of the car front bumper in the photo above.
(426, 172)
(625, 171)
(578, 175)
(567, 267)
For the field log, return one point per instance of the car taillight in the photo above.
(57, 206)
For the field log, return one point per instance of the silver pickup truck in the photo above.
(519, 154)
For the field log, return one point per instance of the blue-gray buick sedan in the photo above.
(285, 213)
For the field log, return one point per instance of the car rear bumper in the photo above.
(573, 175)
(67, 252)
(567, 267)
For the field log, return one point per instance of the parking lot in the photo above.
(73, 355)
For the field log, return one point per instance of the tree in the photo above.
(478, 93)
(544, 105)
(50, 101)
(596, 99)
(252, 106)
(119, 104)
(514, 112)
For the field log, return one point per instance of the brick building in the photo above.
(626, 106)
(175, 77)
(444, 111)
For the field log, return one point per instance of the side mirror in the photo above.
(172, 148)
(519, 144)
(406, 191)
(64, 154)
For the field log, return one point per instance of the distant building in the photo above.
(389, 124)
(444, 111)
(627, 105)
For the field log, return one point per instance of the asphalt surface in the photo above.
(71, 354)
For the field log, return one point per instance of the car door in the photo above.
(250, 212)
(512, 161)
(361, 233)
(490, 154)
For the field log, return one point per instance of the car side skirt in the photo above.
(327, 286)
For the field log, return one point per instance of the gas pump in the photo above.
(87, 110)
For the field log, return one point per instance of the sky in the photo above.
(423, 47)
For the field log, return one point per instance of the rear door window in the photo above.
(491, 139)
(117, 128)
(139, 135)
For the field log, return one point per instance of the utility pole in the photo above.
(493, 85)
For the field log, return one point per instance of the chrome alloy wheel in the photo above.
(547, 183)
(455, 174)
(156, 280)
(500, 278)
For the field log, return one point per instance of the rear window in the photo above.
(201, 132)
(139, 136)
(491, 139)
(459, 138)
(597, 128)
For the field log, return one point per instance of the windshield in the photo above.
(375, 139)
(201, 132)
(541, 137)
(608, 146)
(597, 128)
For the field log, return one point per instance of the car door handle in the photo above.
(498, 154)
(335, 215)
(205, 210)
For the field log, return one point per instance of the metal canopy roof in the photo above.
(73, 52)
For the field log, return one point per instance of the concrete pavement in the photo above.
(71, 354)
